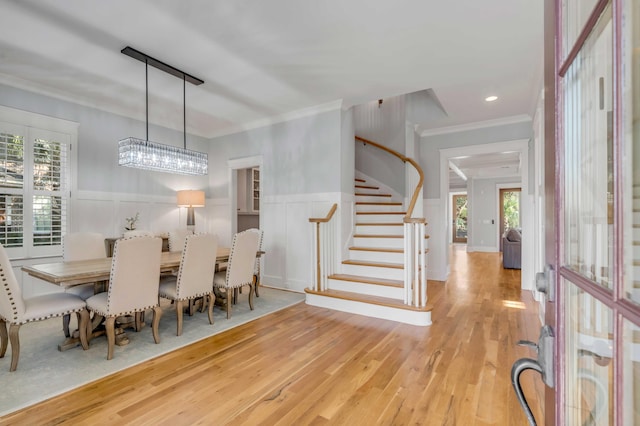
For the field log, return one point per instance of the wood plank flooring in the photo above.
(312, 366)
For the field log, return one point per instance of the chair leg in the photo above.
(229, 295)
(66, 319)
(212, 299)
(139, 320)
(192, 306)
(179, 309)
(236, 291)
(83, 321)
(4, 338)
(256, 280)
(14, 329)
(252, 289)
(157, 313)
(109, 326)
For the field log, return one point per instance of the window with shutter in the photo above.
(34, 192)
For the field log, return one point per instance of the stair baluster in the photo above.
(324, 248)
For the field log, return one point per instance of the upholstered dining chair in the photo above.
(241, 266)
(177, 237)
(82, 246)
(133, 285)
(195, 275)
(16, 310)
(256, 269)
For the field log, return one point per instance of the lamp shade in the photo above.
(190, 198)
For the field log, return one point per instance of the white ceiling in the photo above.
(261, 60)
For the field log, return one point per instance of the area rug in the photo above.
(44, 372)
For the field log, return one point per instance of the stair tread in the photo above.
(379, 223)
(368, 280)
(367, 213)
(363, 194)
(381, 236)
(375, 300)
(377, 264)
(379, 249)
(380, 203)
(367, 187)
(377, 236)
(359, 180)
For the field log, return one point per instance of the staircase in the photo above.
(371, 281)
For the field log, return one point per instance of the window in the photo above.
(34, 189)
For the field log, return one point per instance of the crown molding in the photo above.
(514, 119)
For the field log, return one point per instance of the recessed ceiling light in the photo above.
(490, 98)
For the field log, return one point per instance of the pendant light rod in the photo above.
(146, 91)
(184, 109)
(136, 54)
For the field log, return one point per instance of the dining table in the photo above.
(72, 273)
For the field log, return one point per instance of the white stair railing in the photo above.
(324, 248)
(415, 246)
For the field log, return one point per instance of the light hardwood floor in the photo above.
(307, 365)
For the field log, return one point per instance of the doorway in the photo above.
(459, 209)
(509, 209)
(245, 174)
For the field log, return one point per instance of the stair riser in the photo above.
(373, 272)
(379, 242)
(376, 256)
(379, 218)
(366, 288)
(378, 208)
(379, 230)
(372, 199)
(374, 311)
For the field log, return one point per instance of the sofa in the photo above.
(511, 249)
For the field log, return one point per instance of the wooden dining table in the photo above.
(69, 274)
(72, 273)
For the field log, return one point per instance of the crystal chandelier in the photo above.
(148, 155)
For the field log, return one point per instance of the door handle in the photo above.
(545, 283)
(543, 365)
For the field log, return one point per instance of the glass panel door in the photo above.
(460, 218)
(598, 214)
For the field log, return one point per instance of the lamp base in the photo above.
(191, 217)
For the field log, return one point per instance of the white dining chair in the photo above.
(16, 310)
(240, 268)
(195, 275)
(133, 285)
(177, 238)
(256, 269)
(82, 246)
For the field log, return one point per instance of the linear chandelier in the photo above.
(148, 155)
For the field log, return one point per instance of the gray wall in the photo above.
(384, 124)
(431, 145)
(299, 156)
(348, 152)
(483, 208)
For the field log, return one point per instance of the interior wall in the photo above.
(299, 180)
(484, 213)
(384, 124)
(432, 144)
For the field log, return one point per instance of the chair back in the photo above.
(256, 269)
(83, 246)
(135, 275)
(197, 266)
(137, 233)
(177, 239)
(242, 258)
(12, 306)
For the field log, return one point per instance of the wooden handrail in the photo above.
(324, 219)
(416, 192)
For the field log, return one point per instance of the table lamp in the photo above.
(190, 198)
